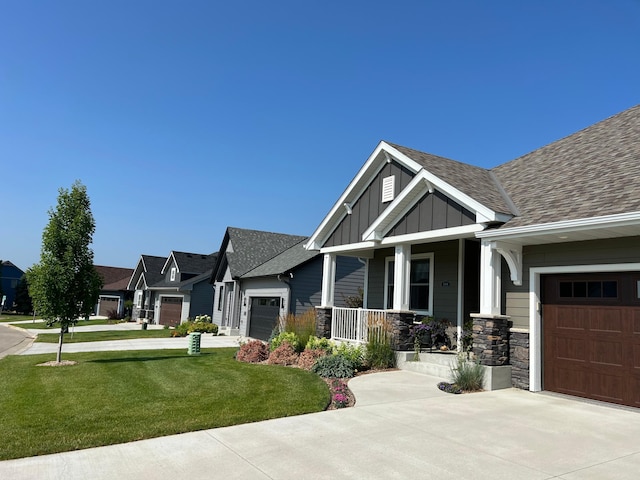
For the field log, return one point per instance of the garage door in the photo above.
(264, 316)
(170, 311)
(592, 336)
(107, 304)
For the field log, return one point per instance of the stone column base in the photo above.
(323, 322)
(401, 322)
(491, 339)
(519, 357)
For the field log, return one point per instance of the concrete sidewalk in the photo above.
(206, 341)
(401, 427)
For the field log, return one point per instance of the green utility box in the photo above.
(194, 343)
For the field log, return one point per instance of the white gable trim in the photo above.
(168, 262)
(442, 234)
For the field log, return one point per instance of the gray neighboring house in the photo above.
(170, 290)
(114, 290)
(541, 253)
(260, 276)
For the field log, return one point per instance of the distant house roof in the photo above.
(114, 278)
(251, 248)
(591, 173)
(284, 262)
(192, 262)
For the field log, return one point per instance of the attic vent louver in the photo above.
(388, 188)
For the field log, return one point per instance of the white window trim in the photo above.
(173, 274)
(139, 299)
(416, 256)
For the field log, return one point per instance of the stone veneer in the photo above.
(401, 322)
(491, 339)
(323, 322)
(519, 357)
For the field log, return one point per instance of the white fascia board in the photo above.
(135, 271)
(142, 282)
(402, 204)
(466, 231)
(564, 226)
(167, 263)
(376, 161)
(351, 247)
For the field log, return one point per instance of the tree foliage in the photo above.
(65, 286)
(23, 299)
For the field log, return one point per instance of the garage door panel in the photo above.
(569, 318)
(264, 316)
(606, 387)
(606, 352)
(636, 322)
(572, 349)
(570, 381)
(606, 320)
(170, 311)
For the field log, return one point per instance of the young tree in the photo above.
(65, 285)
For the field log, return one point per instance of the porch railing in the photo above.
(350, 324)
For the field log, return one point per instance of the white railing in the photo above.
(350, 324)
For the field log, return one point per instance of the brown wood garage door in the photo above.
(107, 304)
(170, 311)
(592, 336)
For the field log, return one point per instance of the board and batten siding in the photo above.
(444, 283)
(369, 206)
(590, 252)
(432, 212)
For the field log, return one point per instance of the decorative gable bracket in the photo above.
(513, 256)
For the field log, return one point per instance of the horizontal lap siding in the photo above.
(592, 252)
(349, 279)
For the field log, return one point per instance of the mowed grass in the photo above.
(115, 397)
(77, 337)
(56, 326)
(11, 317)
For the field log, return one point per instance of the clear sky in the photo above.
(185, 117)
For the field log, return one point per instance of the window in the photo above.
(173, 274)
(593, 289)
(420, 275)
(138, 299)
(220, 295)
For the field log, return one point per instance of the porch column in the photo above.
(328, 279)
(401, 280)
(490, 278)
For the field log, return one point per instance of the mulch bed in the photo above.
(53, 363)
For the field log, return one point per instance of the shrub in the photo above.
(202, 318)
(303, 325)
(285, 354)
(333, 366)
(339, 393)
(290, 337)
(308, 358)
(353, 353)
(468, 375)
(316, 343)
(255, 351)
(378, 351)
(433, 332)
(113, 314)
(188, 327)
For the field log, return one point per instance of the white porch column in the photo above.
(490, 279)
(328, 279)
(401, 280)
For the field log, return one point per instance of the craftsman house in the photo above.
(542, 252)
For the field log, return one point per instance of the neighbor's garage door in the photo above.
(170, 311)
(592, 336)
(107, 304)
(264, 316)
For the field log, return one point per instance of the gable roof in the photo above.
(114, 278)
(284, 262)
(243, 250)
(191, 262)
(591, 173)
(149, 268)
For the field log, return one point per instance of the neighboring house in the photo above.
(261, 276)
(170, 290)
(10, 275)
(543, 252)
(114, 290)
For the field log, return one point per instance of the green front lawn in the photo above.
(10, 317)
(115, 397)
(77, 337)
(56, 326)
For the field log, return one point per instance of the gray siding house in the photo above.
(261, 276)
(170, 290)
(541, 253)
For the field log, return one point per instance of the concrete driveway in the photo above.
(402, 427)
(13, 340)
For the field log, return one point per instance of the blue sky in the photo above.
(185, 117)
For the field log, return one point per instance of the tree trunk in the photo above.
(59, 356)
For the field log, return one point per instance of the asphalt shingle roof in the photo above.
(114, 278)
(284, 262)
(194, 262)
(591, 173)
(252, 248)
